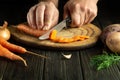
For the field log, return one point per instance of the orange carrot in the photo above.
(76, 38)
(17, 48)
(64, 40)
(55, 38)
(4, 52)
(80, 37)
(30, 31)
(12, 47)
(59, 39)
(53, 34)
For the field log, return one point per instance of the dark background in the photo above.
(15, 11)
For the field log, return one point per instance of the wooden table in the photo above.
(59, 68)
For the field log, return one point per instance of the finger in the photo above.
(47, 18)
(91, 18)
(75, 20)
(65, 14)
(82, 18)
(86, 17)
(55, 20)
(31, 17)
(75, 16)
(40, 16)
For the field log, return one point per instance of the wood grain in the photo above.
(90, 30)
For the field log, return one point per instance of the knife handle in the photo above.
(68, 21)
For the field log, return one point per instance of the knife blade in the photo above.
(58, 27)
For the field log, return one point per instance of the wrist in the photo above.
(96, 1)
(55, 2)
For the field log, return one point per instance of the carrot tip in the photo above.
(25, 63)
(29, 52)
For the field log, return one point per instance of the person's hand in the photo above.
(43, 16)
(80, 11)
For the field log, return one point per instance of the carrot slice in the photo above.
(60, 39)
(53, 34)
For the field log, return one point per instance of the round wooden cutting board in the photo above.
(89, 30)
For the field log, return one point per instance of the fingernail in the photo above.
(45, 28)
(33, 26)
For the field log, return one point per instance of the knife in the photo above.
(66, 22)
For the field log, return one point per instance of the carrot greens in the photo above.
(104, 60)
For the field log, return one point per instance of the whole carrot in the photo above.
(12, 47)
(16, 48)
(4, 52)
(30, 31)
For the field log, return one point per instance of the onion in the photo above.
(4, 31)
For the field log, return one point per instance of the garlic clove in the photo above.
(67, 56)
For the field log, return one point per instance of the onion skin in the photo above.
(4, 31)
(113, 42)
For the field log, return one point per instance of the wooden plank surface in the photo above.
(17, 71)
(3, 65)
(60, 68)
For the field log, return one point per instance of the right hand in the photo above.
(43, 16)
(81, 11)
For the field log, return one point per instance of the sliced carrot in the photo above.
(60, 39)
(76, 38)
(80, 38)
(53, 34)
